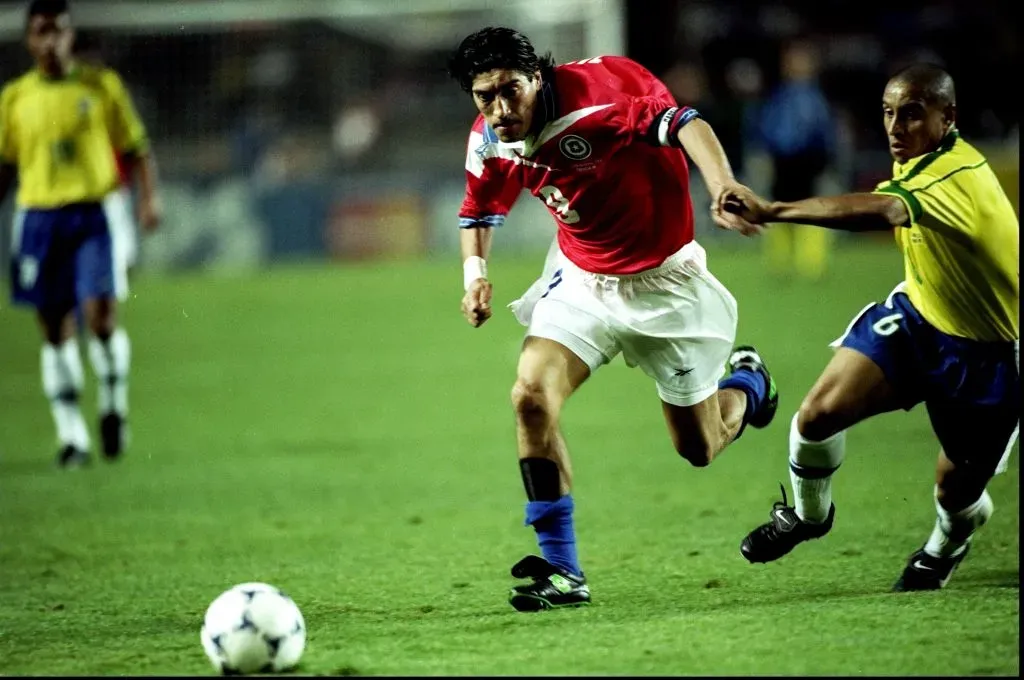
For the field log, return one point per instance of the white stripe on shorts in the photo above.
(1016, 431)
(17, 226)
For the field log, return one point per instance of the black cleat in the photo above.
(926, 572)
(771, 541)
(552, 587)
(70, 457)
(114, 433)
(746, 358)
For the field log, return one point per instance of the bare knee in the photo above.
(958, 486)
(820, 416)
(533, 405)
(101, 317)
(58, 326)
(699, 448)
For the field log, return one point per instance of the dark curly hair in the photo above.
(496, 47)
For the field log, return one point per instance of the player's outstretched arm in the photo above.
(150, 205)
(849, 212)
(701, 143)
(476, 246)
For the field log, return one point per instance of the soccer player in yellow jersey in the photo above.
(948, 335)
(60, 125)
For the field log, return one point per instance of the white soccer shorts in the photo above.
(677, 322)
(118, 207)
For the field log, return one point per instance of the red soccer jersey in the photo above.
(606, 163)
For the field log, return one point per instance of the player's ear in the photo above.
(949, 113)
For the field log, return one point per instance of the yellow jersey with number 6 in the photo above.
(962, 244)
(62, 134)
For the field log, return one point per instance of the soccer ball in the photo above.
(253, 628)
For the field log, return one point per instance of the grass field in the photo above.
(341, 433)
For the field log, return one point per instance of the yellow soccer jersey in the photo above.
(961, 247)
(62, 135)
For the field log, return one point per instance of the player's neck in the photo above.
(60, 71)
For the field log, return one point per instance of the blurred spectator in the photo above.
(688, 83)
(796, 129)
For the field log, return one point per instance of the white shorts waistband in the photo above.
(691, 256)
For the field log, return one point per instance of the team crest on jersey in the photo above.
(574, 147)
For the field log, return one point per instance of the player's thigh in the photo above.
(697, 431)
(570, 315)
(681, 337)
(547, 374)
(851, 388)
(873, 371)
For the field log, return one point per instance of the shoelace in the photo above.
(769, 529)
(784, 503)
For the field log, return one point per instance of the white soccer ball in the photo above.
(253, 628)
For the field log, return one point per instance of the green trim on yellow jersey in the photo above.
(948, 175)
(913, 205)
(945, 146)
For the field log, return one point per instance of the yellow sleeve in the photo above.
(941, 202)
(127, 133)
(8, 147)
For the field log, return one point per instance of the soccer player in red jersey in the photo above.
(601, 142)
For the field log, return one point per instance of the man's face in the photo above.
(507, 100)
(49, 38)
(913, 126)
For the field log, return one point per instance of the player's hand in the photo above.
(476, 303)
(151, 212)
(738, 208)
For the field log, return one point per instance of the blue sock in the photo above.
(751, 383)
(552, 520)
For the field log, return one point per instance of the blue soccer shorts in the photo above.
(970, 388)
(63, 256)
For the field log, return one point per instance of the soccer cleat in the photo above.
(114, 433)
(552, 587)
(746, 358)
(771, 541)
(70, 457)
(927, 572)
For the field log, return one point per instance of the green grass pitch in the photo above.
(342, 433)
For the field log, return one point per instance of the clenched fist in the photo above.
(476, 303)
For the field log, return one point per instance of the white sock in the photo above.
(63, 377)
(953, 530)
(111, 360)
(811, 465)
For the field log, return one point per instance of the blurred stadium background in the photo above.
(329, 424)
(297, 129)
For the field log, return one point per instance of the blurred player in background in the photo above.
(795, 127)
(118, 204)
(60, 125)
(947, 336)
(601, 142)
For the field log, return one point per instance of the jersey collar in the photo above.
(545, 112)
(915, 166)
(72, 73)
(548, 104)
